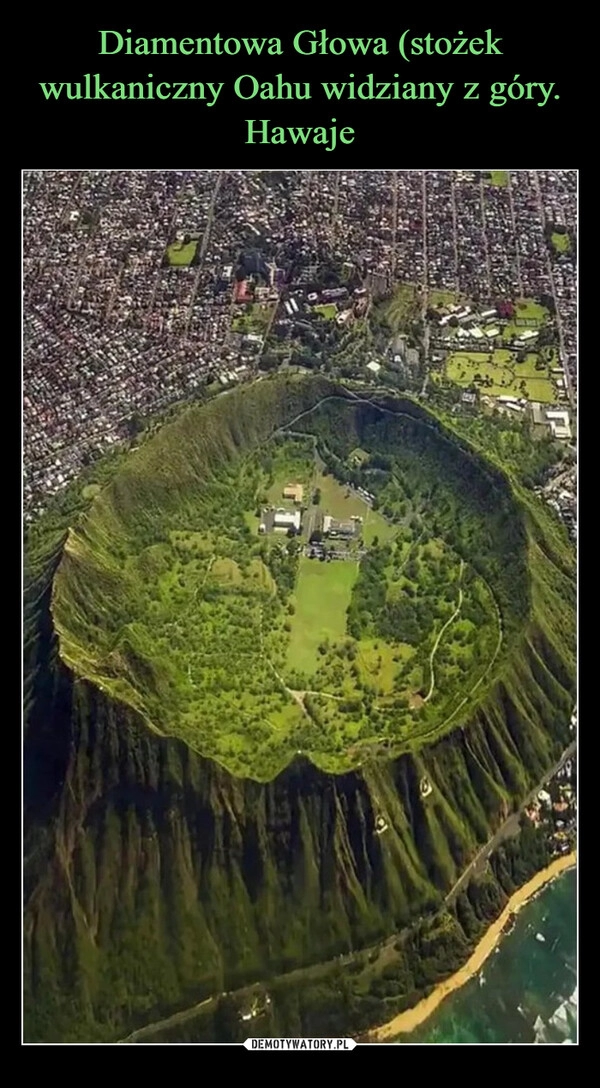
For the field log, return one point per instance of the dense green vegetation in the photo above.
(369, 988)
(155, 877)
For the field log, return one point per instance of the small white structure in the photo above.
(374, 367)
(425, 787)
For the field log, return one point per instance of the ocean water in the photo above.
(526, 991)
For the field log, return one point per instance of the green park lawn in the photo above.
(499, 177)
(504, 374)
(255, 319)
(179, 255)
(328, 310)
(561, 242)
(438, 298)
(528, 308)
(375, 525)
(337, 500)
(322, 596)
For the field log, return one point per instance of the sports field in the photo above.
(322, 596)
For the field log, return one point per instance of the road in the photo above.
(394, 221)
(454, 232)
(203, 247)
(515, 234)
(561, 336)
(169, 1021)
(485, 239)
(510, 826)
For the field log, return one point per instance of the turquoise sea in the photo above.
(526, 991)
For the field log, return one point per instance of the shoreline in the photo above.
(406, 1022)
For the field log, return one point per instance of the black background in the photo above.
(542, 44)
(394, 134)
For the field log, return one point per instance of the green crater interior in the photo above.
(169, 599)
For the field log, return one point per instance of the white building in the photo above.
(559, 424)
(287, 519)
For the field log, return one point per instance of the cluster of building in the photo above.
(556, 420)
(558, 191)
(283, 519)
(280, 520)
(113, 330)
(560, 492)
(555, 808)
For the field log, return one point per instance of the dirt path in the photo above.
(427, 697)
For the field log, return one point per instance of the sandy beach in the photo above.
(407, 1021)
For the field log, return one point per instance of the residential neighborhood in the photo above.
(147, 288)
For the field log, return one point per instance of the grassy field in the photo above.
(561, 242)
(376, 526)
(499, 177)
(502, 376)
(328, 310)
(527, 307)
(338, 500)
(322, 596)
(179, 255)
(439, 298)
(377, 661)
(404, 307)
(254, 320)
